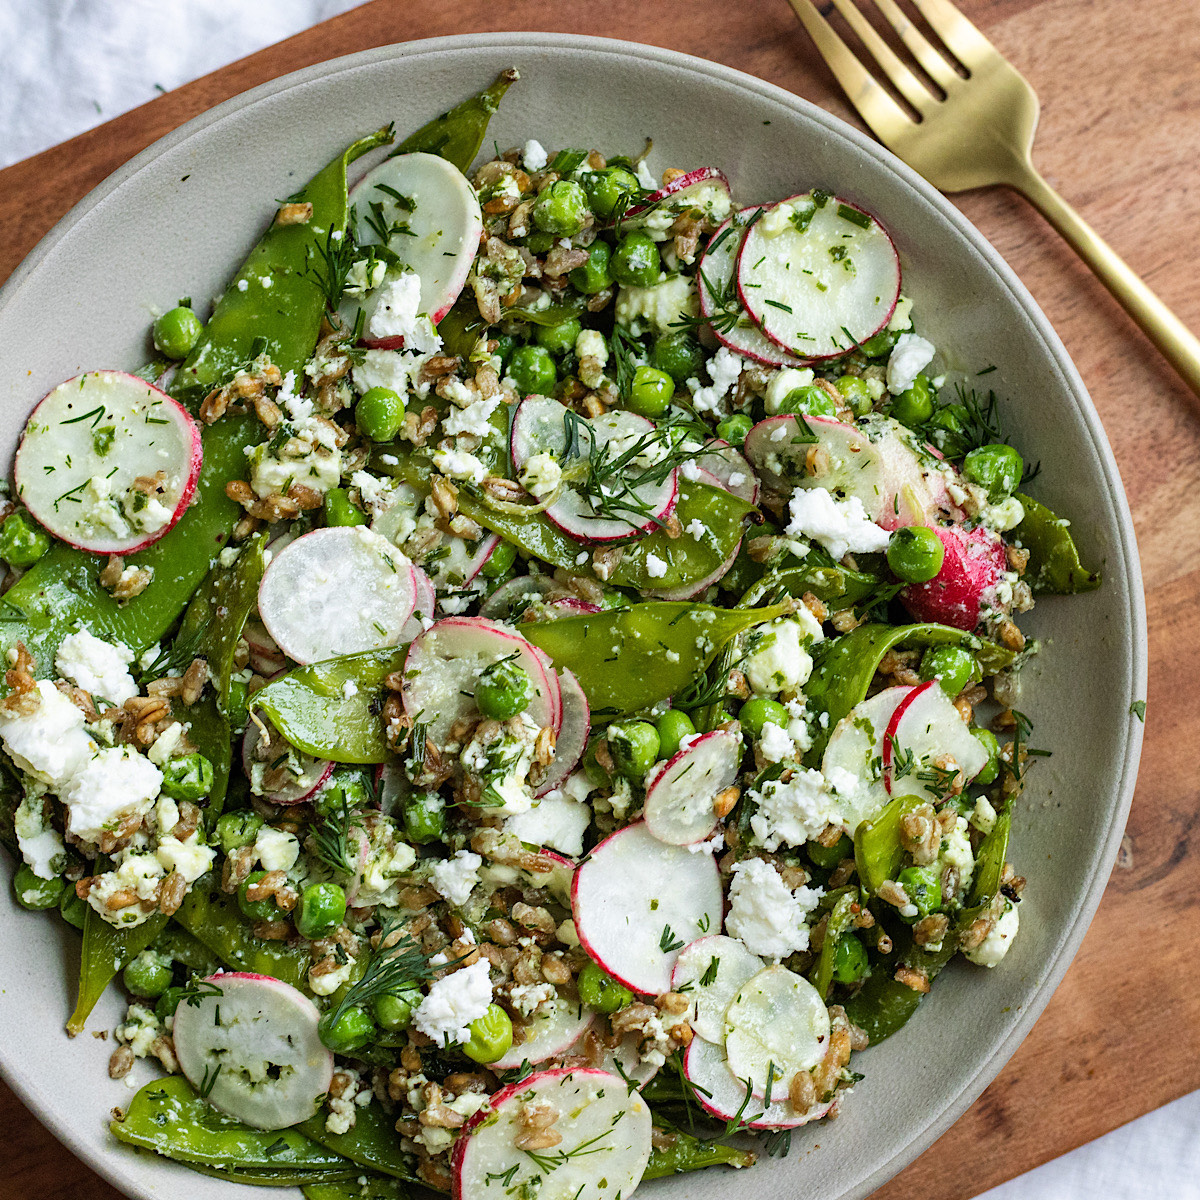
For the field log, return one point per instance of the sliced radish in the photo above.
(605, 1140)
(712, 969)
(853, 759)
(731, 469)
(716, 283)
(624, 1059)
(818, 274)
(974, 561)
(424, 607)
(925, 731)
(705, 188)
(679, 799)
(107, 462)
(511, 597)
(251, 1047)
(574, 725)
(436, 226)
(391, 786)
(540, 426)
(548, 1035)
(636, 901)
(278, 771)
(265, 655)
(689, 591)
(776, 1020)
(460, 567)
(444, 664)
(337, 591)
(722, 1094)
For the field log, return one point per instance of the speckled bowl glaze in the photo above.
(178, 219)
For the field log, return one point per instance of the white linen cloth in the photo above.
(67, 65)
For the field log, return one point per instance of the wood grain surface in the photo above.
(1120, 137)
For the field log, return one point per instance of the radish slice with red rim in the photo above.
(637, 901)
(336, 591)
(731, 469)
(549, 1034)
(279, 772)
(424, 607)
(679, 797)
(925, 731)
(107, 462)
(572, 734)
(249, 1044)
(460, 562)
(818, 274)
(974, 562)
(704, 190)
(712, 969)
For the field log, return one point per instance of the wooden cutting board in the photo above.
(1120, 137)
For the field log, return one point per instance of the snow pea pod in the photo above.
(176, 943)
(371, 1143)
(840, 918)
(628, 659)
(878, 853)
(457, 135)
(687, 1153)
(310, 707)
(989, 868)
(826, 580)
(287, 1177)
(375, 1187)
(105, 951)
(1054, 568)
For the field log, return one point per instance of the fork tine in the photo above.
(906, 83)
(934, 65)
(962, 39)
(884, 116)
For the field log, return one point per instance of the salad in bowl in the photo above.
(528, 689)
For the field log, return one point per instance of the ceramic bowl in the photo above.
(178, 219)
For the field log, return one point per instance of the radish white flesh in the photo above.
(512, 597)
(731, 324)
(443, 668)
(549, 1034)
(853, 759)
(424, 607)
(818, 275)
(265, 655)
(679, 801)
(85, 446)
(298, 777)
(461, 566)
(540, 427)
(336, 591)
(636, 901)
(705, 189)
(625, 1060)
(925, 730)
(253, 1049)
(776, 1020)
(722, 1094)
(605, 1132)
(713, 969)
(572, 733)
(437, 237)
(732, 470)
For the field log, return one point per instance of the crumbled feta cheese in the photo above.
(50, 743)
(191, 858)
(660, 305)
(395, 369)
(349, 689)
(40, 844)
(1002, 517)
(724, 369)
(458, 464)
(327, 984)
(646, 177)
(779, 661)
(775, 743)
(115, 784)
(996, 945)
(527, 998)
(364, 276)
(137, 874)
(909, 357)
(453, 1003)
(792, 813)
(983, 816)
(696, 528)
(276, 849)
(396, 315)
(534, 155)
(97, 666)
(591, 344)
(556, 821)
(472, 418)
(455, 878)
(901, 315)
(165, 744)
(656, 567)
(776, 220)
(383, 861)
(841, 526)
(541, 475)
(764, 914)
(310, 457)
(956, 852)
(783, 383)
(141, 1028)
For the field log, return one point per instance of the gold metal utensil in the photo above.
(979, 135)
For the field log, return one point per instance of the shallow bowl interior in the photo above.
(177, 220)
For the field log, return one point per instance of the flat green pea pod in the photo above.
(687, 1153)
(371, 1143)
(176, 943)
(628, 659)
(168, 1117)
(1054, 568)
(878, 853)
(840, 918)
(375, 1187)
(826, 582)
(107, 950)
(457, 135)
(287, 1177)
(309, 705)
(989, 869)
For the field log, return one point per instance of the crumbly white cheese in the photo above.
(534, 155)
(779, 661)
(841, 526)
(190, 857)
(656, 567)
(764, 914)
(453, 1003)
(276, 849)
(397, 314)
(97, 666)
(40, 844)
(115, 784)
(540, 475)
(458, 464)
(556, 821)
(794, 812)
(783, 383)
(51, 743)
(998, 941)
(455, 878)
(724, 369)
(910, 356)
(660, 305)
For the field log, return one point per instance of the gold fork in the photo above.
(979, 135)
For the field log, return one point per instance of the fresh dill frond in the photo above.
(391, 969)
(331, 837)
(177, 656)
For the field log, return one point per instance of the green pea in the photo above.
(758, 712)
(22, 543)
(505, 345)
(605, 189)
(809, 401)
(591, 764)
(258, 910)
(952, 666)
(341, 510)
(849, 960)
(673, 726)
(34, 892)
(880, 343)
(321, 910)
(829, 856)
(915, 553)
(347, 788)
(923, 886)
(538, 242)
(560, 338)
(187, 778)
(424, 817)
(857, 393)
(393, 1010)
(73, 909)
(168, 1002)
(561, 208)
(651, 392)
(149, 974)
(177, 331)
(679, 354)
(636, 263)
(633, 746)
(500, 561)
(491, 1036)
(987, 739)
(379, 414)
(352, 1032)
(600, 991)
(948, 430)
(734, 429)
(237, 707)
(503, 690)
(237, 829)
(533, 371)
(996, 467)
(595, 274)
(914, 405)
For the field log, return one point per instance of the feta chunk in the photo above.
(541, 475)
(996, 945)
(792, 813)
(396, 315)
(458, 464)
(115, 785)
(841, 526)
(556, 821)
(765, 915)
(455, 878)
(453, 1003)
(783, 383)
(40, 844)
(910, 356)
(97, 666)
(534, 155)
(779, 661)
(276, 849)
(724, 369)
(656, 567)
(660, 305)
(50, 743)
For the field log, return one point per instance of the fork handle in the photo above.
(1178, 344)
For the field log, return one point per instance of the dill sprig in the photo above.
(328, 266)
(331, 837)
(178, 655)
(625, 351)
(391, 969)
